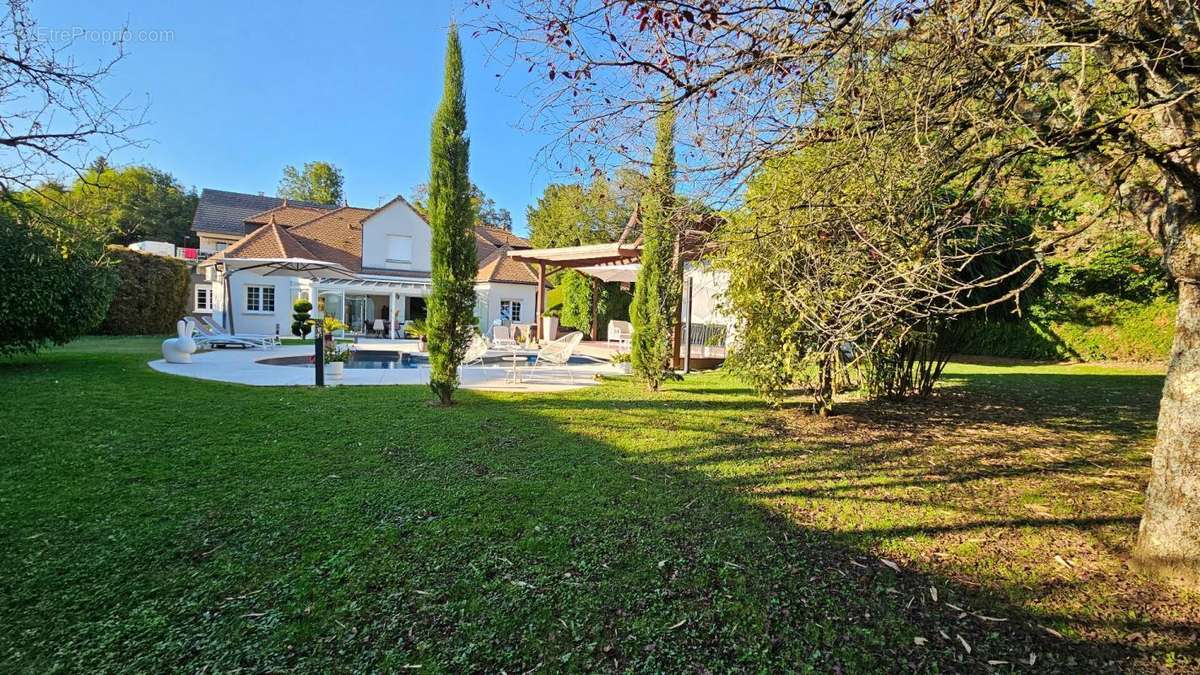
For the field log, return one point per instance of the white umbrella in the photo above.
(303, 268)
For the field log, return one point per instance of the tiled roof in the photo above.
(223, 212)
(286, 214)
(269, 241)
(498, 237)
(335, 236)
(303, 230)
(499, 268)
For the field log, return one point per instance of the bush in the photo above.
(49, 292)
(1091, 331)
(151, 296)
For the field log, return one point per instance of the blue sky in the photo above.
(237, 90)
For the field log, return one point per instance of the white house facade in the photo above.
(387, 252)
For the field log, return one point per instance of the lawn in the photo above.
(155, 523)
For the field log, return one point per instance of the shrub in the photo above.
(300, 318)
(152, 294)
(49, 292)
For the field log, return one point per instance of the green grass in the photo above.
(161, 523)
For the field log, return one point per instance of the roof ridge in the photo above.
(280, 233)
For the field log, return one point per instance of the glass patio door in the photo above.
(357, 313)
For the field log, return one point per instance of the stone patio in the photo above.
(241, 366)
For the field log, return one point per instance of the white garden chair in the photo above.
(502, 337)
(557, 353)
(620, 332)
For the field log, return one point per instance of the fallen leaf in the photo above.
(997, 663)
(919, 641)
(933, 593)
(964, 643)
(890, 564)
(1059, 559)
(683, 621)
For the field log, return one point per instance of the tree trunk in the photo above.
(1169, 537)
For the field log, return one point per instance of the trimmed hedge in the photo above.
(1130, 332)
(151, 296)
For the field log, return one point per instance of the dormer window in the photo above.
(399, 249)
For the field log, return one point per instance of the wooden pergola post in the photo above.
(540, 307)
(595, 307)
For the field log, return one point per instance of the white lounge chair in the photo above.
(210, 335)
(266, 339)
(557, 353)
(620, 332)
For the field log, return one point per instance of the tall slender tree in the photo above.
(656, 295)
(451, 305)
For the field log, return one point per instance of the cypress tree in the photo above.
(450, 310)
(656, 294)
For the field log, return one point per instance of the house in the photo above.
(386, 251)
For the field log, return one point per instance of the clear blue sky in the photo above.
(237, 90)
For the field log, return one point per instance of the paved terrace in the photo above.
(241, 366)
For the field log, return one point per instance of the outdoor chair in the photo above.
(476, 351)
(212, 334)
(502, 337)
(620, 332)
(557, 353)
(380, 328)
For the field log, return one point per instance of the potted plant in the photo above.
(419, 330)
(335, 361)
(621, 362)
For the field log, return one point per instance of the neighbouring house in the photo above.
(386, 250)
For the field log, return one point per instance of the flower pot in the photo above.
(549, 327)
(422, 344)
(625, 367)
(335, 369)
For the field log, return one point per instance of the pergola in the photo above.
(617, 261)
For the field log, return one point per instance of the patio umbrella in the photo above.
(303, 268)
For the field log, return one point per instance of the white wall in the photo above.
(396, 218)
(708, 291)
(263, 323)
(491, 295)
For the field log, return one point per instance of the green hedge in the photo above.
(1125, 332)
(151, 296)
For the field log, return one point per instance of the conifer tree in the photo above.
(656, 294)
(450, 310)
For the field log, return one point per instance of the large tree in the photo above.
(128, 204)
(487, 212)
(451, 305)
(656, 295)
(573, 214)
(1109, 85)
(319, 182)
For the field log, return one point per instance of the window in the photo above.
(220, 246)
(510, 310)
(203, 299)
(260, 299)
(399, 248)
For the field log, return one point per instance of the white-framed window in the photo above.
(260, 299)
(220, 246)
(399, 248)
(203, 298)
(510, 310)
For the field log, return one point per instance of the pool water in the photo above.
(376, 359)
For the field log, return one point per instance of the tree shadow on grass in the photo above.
(356, 528)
